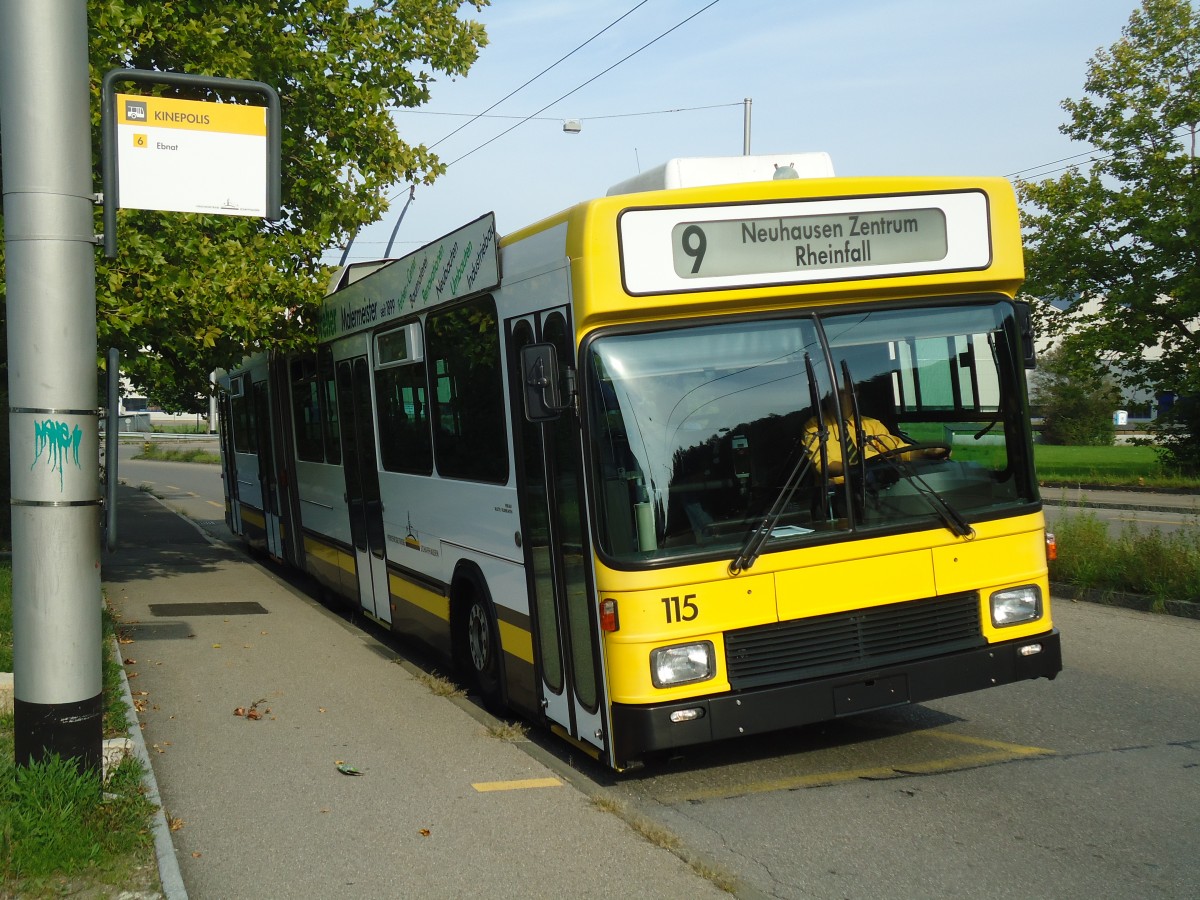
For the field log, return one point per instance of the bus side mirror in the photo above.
(540, 375)
(1025, 326)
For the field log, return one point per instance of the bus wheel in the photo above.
(483, 649)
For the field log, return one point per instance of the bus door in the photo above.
(267, 473)
(363, 501)
(556, 547)
(233, 510)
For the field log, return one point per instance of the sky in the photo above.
(886, 87)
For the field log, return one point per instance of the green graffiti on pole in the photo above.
(57, 440)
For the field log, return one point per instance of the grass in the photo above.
(1164, 566)
(152, 450)
(440, 686)
(509, 732)
(1118, 466)
(192, 428)
(62, 832)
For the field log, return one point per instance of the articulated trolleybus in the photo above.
(717, 454)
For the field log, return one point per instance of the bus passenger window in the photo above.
(330, 433)
(403, 411)
(244, 438)
(306, 409)
(470, 436)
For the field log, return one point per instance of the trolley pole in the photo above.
(49, 247)
(746, 126)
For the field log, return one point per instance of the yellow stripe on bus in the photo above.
(430, 601)
(517, 641)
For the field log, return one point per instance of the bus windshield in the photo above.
(805, 428)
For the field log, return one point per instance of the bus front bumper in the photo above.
(638, 730)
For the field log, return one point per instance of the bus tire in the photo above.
(481, 646)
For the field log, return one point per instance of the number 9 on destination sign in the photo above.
(694, 243)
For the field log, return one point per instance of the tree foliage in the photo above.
(1119, 242)
(1076, 398)
(189, 293)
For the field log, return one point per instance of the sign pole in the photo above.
(50, 260)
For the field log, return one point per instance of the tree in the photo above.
(1076, 398)
(1118, 244)
(189, 293)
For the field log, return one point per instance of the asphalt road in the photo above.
(193, 489)
(1119, 519)
(1087, 786)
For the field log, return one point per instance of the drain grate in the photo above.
(231, 608)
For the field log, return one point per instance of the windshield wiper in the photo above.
(758, 537)
(950, 516)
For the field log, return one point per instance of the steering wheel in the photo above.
(911, 448)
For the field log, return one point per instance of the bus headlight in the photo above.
(1016, 605)
(682, 664)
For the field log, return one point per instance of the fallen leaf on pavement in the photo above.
(347, 769)
(424, 832)
(251, 712)
(174, 823)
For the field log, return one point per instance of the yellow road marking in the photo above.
(1000, 751)
(1015, 749)
(520, 785)
(215, 503)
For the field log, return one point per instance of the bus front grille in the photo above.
(852, 641)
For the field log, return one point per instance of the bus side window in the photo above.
(470, 435)
(330, 432)
(244, 439)
(306, 409)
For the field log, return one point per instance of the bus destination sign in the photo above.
(796, 242)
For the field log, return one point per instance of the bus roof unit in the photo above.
(704, 171)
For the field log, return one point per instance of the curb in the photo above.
(1193, 510)
(164, 850)
(1184, 609)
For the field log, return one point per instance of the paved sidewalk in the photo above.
(1112, 498)
(443, 809)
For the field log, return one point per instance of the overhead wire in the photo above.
(586, 83)
(569, 93)
(540, 74)
(536, 118)
(1096, 157)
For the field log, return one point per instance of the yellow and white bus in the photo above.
(717, 454)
